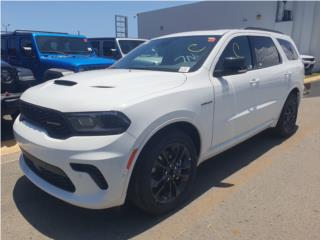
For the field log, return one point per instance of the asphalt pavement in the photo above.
(264, 188)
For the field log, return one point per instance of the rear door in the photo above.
(271, 78)
(235, 95)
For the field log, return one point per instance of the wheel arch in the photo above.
(186, 125)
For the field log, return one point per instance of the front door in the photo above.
(235, 95)
(27, 58)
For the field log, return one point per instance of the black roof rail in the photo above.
(263, 29)
(32, 31)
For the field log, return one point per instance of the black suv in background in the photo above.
(114, 48)
(14, 81)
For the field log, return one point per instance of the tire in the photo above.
(164, 173)
(286, 125)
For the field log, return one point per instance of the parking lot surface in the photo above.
(264, 188)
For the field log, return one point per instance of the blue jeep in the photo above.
(49, 54)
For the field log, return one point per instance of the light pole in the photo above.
(6, 26)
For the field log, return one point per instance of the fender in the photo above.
(148, 133)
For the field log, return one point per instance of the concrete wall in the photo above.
(304, 29)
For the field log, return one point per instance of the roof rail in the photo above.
(31, 31)
(263, 29)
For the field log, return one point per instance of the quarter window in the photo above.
(264, 52)
(288, 49)
(236, 48)
(12, 47)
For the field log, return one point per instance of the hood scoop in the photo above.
(65, 82)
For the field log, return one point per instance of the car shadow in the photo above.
(7, 132)
(59, 220)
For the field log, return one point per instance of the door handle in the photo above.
(287, 74)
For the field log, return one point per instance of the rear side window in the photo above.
(12, 47)
(264, 52)
(237, 47)
(288, 49)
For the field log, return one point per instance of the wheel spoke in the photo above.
(156, 183)
(171, 172)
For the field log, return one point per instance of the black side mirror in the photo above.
(230, 66)
(28, 51)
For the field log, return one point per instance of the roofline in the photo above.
(119, 38)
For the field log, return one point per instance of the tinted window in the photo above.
(265, 52)
(25, 43)
(110, 48)
(12, 47)
(288, 49)
(3, 47)
(237, 47)
(63, 45)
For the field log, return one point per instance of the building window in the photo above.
(284, 13)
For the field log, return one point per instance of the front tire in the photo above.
(164, 173)
(286, 125)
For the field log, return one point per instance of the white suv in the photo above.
(140, 129)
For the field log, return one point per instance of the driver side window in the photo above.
(238, 47)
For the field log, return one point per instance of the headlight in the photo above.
(98, 123)
(6, 76)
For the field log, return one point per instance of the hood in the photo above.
(75, 61)
(101, 90)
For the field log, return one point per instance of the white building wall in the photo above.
(206, 15)
(304, 29)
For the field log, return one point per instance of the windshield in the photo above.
(174, 54)
(63, 45)
(127, 45)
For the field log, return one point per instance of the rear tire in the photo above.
(164, 173)
(286, 125)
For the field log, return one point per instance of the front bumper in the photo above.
(109, 154)
(10, 103)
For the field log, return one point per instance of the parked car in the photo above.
(43, 51)
(14, 80)
(308, 62)
(114, 48)
(148, 126)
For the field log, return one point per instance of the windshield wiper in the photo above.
(58, 52)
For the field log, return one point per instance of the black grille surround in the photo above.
(48, 172)
(52, 121)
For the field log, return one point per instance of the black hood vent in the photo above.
(102, 86)
(65, 82)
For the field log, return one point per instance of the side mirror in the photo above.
(28, 51)
(231, 65)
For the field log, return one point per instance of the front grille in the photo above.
(50, 120)
(49, 173)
